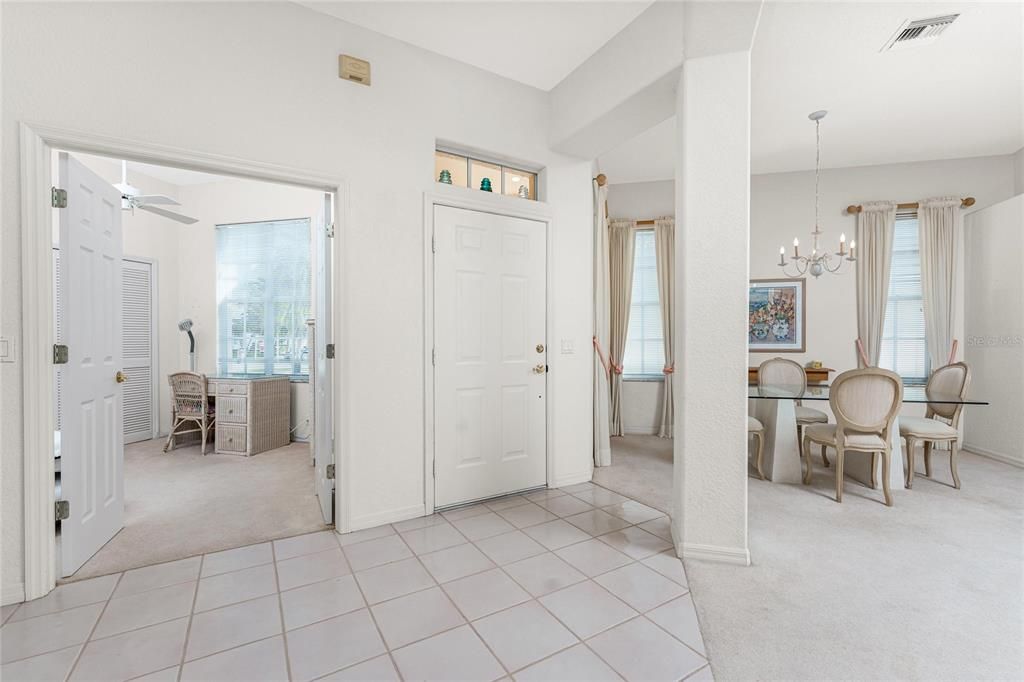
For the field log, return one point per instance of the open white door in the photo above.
(490, 311)
(92, 434)
(323, 440)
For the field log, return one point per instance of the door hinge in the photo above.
(433, 244)
(330, 351)
(330, 472)
(330, 230)
(58, 197)
(60, 354)
(433, 356)
(62, 509)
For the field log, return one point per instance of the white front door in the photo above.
(490, 299)
(323, 441)
(92, 436)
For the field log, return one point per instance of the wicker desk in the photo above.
(253, 413)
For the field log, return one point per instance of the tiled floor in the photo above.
(544, 586)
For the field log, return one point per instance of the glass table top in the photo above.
(911, 394)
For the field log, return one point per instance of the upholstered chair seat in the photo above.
(826, 434)
(790, 373)
(809, 415)
(924, 428)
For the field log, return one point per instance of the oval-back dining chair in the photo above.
(941, 421)
(788, 372)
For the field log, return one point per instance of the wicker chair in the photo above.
(189, 406)
(783, 371)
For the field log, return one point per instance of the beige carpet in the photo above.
(181, 504)
(930, 589)
(641, 469)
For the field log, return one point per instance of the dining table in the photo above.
(774, 405)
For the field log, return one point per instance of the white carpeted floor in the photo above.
(930, 589)
(181, 504)
(641, 469)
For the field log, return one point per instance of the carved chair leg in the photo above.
(874, 471)
(806, 452)
(824, 456)
(840, 455)
(911, 461)
(886, 457)
(954, 456)
(928, 458)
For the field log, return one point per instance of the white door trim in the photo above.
(498, 204)
(154, 311)
(37, 142)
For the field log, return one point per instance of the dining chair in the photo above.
(756, 428)
(941, 421)
(783, 371)
(189, 405)
(865, 403)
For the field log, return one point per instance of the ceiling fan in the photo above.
(132, 198)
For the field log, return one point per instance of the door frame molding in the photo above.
(37, 142)
(497, 204)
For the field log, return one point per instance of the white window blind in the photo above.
(903, 338)
(645, 345)
(263, 298)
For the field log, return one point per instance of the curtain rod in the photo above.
(964, 203)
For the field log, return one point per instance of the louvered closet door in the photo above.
(137, 319)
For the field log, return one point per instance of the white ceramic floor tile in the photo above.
(484, 593)
(376, 552)
(393, 580)
(433, 538)
(311, 543)
(635, 542)
(456, 562)
(146, 608)
(593, 557)
(679, 618)
(523, 635)
(576, 663)
(454, 655)
(528, 514)
(565, 505)
(702, 675)
(237, 559)
(599, 497)
(639, 650)
(230, 626)
(333, 645)
(160, 575)
(596, 522)
(536, 497)
(365, 534)
(556, 534)
(262, 661)
(44, 668)
(133, 653)
(465, 512)
(47, 633)
(68, 596)
(579, 487)
(668, 564)
(587, 608)
(320, 601)
(7, 611)
(379, 669)
(633, 511)
(543, 574)
(509, 547)
(416, 616)
(230, 588)
(662, 527)
(311, 568)
(506, 502)
(165, 675)
(482, 526)
(419, 522)
(639, 586)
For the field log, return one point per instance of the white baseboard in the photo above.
(13, 594)
(571, 479)
(390, 516)
(997, 456)
(640, 430)
(739, 556)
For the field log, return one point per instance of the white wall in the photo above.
(1018, 171)
(259, 81)
(995, 329)
(641, 407)
(641, 200)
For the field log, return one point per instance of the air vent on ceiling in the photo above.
(919, 32)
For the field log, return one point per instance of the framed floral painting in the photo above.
(777, 322)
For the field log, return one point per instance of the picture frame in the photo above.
(777, 316)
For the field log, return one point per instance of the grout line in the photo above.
(280, 612)
(191, 614)
(92, 630)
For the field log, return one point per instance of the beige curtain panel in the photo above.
(602, 390)
(621, 246)
(876, 224)
(664, 249)
(940, 223)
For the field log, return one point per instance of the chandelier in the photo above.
(819, 262)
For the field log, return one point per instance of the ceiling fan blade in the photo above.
(169, 214)
(155, 199)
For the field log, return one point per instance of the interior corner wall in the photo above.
(1018, 171)
(230, 94)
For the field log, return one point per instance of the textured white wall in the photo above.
(259, 81)
(1018, 171)
(641, 407)
(642, 200)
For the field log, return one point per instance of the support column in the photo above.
(709, 519)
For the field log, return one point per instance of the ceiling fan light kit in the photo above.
(132, 198)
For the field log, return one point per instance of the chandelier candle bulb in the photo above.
(853, 246)
(782, 255)
(796, 248)
(842, 244)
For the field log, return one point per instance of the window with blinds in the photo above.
(903, 339)
(645, 344)
(263, 298)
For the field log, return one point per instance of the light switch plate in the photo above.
(568, 347)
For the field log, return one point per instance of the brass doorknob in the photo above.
(540, 347)
(539, 369)
(120, 377)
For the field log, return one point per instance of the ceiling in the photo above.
(536, 43)
(958, 97)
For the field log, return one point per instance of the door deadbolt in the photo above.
(539, 369)
(540, 347)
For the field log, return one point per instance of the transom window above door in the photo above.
(452, 168)
(263, 298)
(645, 342)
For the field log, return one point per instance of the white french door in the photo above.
(490, 300)
(92, 437)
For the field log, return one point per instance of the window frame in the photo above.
(649, 375)
(498, 184)
(906, 216)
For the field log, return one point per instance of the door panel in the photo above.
(489, 378)
(92, 437)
